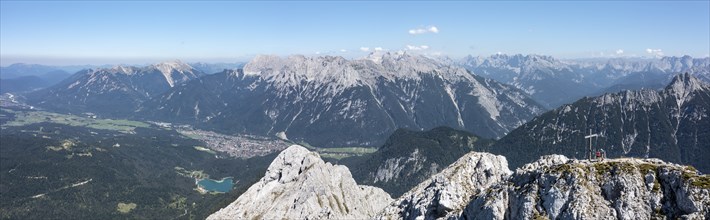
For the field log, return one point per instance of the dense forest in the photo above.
(54, 171)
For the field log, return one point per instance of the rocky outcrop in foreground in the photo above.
(299, 185)
(555, 187)
(445, 195)
(480, 186)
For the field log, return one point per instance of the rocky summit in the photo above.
(299, 185)
(479, 186)
(555, 187)
(445, 194)
(411, 157)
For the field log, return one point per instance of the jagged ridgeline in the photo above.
(299, 185)
(671, 124)
(410, 157)
(554, 82)
(555, 187)
(324, 101)
(116, 92)
(335, 102)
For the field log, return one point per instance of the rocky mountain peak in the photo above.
(289, 73)
(627, 188)
(299, 185)
(684, 83)
(405, 65)
(176, 71)
(177, 65)
(515, 60)
(296, 70)
(675, 64)
(118, 69)
(445, 194)
(683, 86)
(167, 69)
(116, 90)
(290, 163)
(380, 56)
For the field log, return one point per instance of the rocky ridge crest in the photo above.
(299, 185)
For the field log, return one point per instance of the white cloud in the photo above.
(378, 48)
(343, 50)
(422, 47)
(317, 52)
(430, 29)
(499, 53)
(365, 49)
(655, 52)
(433, 29)
(619, 52)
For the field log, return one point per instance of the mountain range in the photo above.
(32, 83)
(331, 101)
(641, 124)
(432, 122)
(435, 172)
(21, 77)
(116, 91)
(23, 69)
(210, 68)
(671, 124)
(554, 82)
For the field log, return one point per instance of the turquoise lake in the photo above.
(221, 186)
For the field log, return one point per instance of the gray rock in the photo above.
(299, 185)
(445, 194)
(555, 187)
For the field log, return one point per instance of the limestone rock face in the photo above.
(300, 185)
(555, 187)
(445, 194)
(480, 186)
(333, 101)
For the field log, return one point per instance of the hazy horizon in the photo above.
(147, 61)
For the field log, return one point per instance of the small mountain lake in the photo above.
(220, 186)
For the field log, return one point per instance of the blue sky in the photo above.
(221, 31)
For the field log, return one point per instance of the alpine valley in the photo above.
(323, 101)
(354, 110)
(392, 135)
